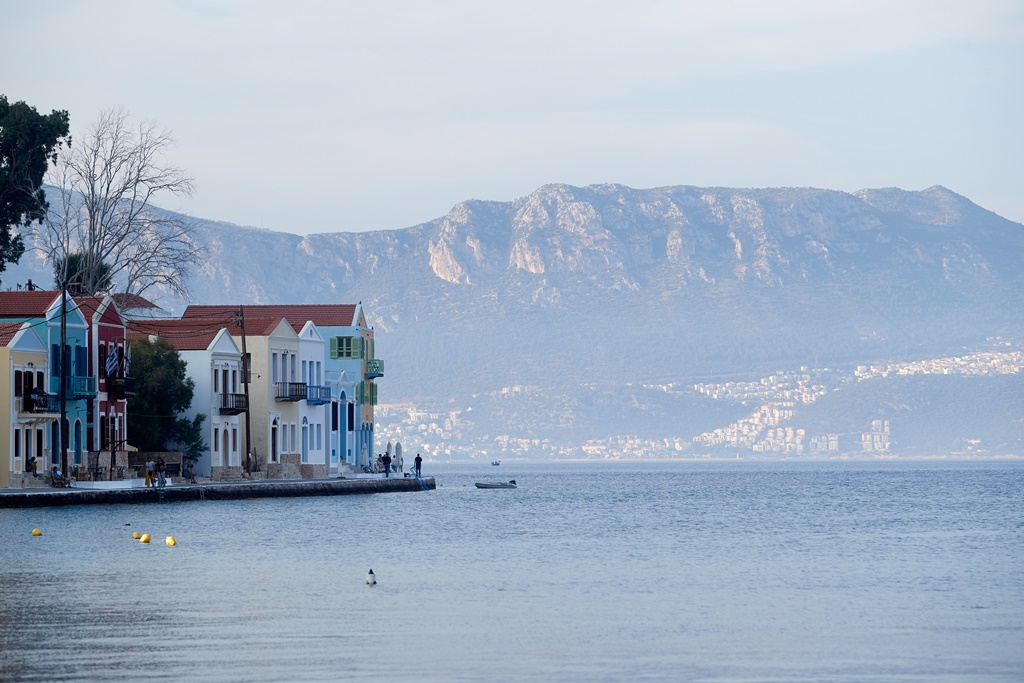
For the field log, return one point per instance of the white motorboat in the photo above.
(511, 484)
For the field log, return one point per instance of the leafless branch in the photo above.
(107, 182)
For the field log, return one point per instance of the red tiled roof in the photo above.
(183, 335)
(125, 301)
(196, 334)
(7, 332)
(89, 305)
(322, 315)
(26, 304)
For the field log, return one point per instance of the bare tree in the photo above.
(104, 220)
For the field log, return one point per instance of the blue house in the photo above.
(69, 366)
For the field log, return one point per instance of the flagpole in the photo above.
(62, 391)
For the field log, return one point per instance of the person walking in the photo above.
(387, 465)
(161, 468)
(150, 472)
(418, 464)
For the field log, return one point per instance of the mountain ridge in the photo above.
(570, 285)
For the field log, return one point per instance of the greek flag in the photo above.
(111, 363)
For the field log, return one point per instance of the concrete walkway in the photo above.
(265, 488)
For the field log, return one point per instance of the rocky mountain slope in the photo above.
(607, 285)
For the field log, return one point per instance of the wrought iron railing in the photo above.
(318, 395)
(233, 404)
(290, 391)
(120, 387)
(75, 387)
(40, 404)
(374, 368)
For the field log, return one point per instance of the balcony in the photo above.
(290, 391)
(374, 368)
(76, 387)
(120, 387)
(38, 404)
(317, 395)
(233, 404)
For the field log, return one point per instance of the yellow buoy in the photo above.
(144, 539)
(136, 535)
(170, 541)
(37, 532)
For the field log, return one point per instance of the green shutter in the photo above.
(334, 347)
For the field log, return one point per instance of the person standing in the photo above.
(150, 471)
(387, 465)
(161, 468)
(418, 464)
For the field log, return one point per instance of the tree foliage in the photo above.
(162, 392)
(29, 142)
(80, 276)
(106, 183)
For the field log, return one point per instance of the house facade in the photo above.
(214, 364)
(69, 373)
(27, 409)
(107, 427)
(313, 410)
(349, 373)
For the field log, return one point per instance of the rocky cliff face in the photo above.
(571, 284)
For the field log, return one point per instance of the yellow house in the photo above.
(27, 411)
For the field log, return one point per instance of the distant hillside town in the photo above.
(545, 327)
(285, 391)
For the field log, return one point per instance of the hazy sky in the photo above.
(338, 116)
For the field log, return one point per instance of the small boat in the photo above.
(511, 484)
(495, 463)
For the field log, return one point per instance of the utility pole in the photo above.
(62, 390)
(245, 387)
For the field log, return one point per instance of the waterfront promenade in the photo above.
(266, 488)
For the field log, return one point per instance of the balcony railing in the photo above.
(290, 391)
(39, 404)
(120, 387)
(317, 395)
(374, 368)
(75, 387)
(233, 404)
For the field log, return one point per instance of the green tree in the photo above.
(84, 275)
(162, 392)
(29, 141)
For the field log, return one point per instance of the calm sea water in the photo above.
(588, 572)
